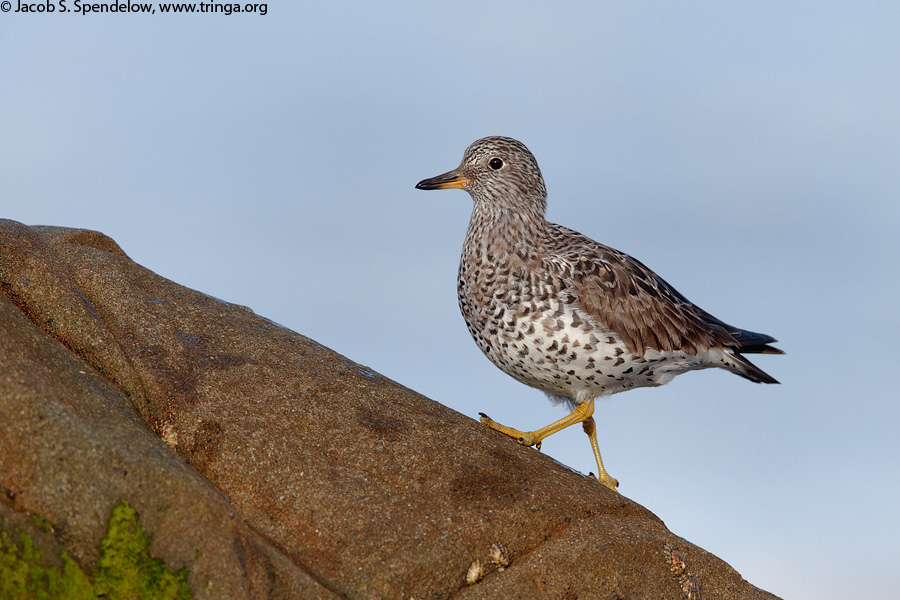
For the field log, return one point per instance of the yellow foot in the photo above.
(526, 438)
(581, 414)
(607, 481)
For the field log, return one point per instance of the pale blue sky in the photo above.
(749, 153)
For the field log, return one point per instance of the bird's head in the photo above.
(499, 172)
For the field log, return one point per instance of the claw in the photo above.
(607, 481)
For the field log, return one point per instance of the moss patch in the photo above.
(126, 569)
(24, 576)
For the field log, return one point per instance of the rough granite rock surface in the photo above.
(273, 467)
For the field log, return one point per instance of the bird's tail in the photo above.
(739, 365)
(748, 342)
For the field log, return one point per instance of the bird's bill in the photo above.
(451, 180)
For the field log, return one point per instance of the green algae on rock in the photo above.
(25, 576)
(126, 569)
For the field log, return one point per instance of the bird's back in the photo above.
(576, 319)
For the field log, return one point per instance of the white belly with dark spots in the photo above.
(562, 351)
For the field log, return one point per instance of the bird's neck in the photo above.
(503, 230)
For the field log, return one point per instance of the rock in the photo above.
(273, 467)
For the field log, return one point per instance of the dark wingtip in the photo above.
(757, 375)
(748, 370)
(768, 379)
(760, 349)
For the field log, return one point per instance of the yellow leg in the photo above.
(582, 414)
(590, 428)
(530, 438)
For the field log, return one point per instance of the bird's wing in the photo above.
(622, 294)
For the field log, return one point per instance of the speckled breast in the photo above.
(533, 331)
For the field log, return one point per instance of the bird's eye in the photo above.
(495, 163)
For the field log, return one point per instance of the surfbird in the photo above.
(567, 315)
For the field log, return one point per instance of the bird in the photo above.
(565, 314)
